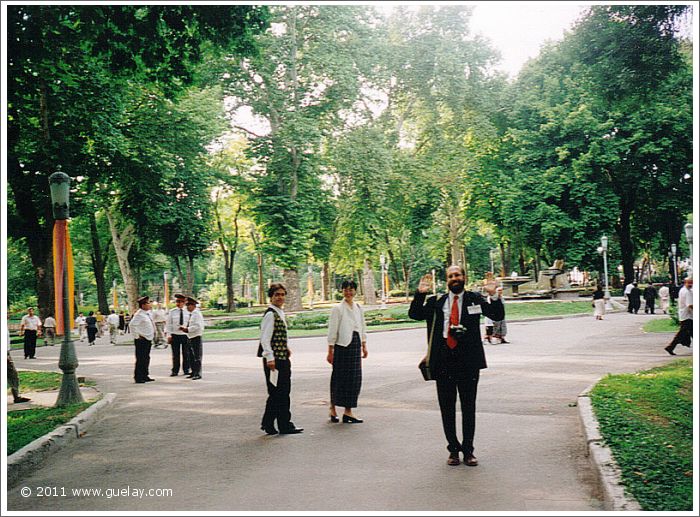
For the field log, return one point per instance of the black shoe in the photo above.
(347, 419)
(174, 374)
(190, 375)
(140, 381)
(671, 352)
(292, 430)
(334, 419)
(186, 372)
(453, 459)
(269, 429)
(148, 379)
(19, 400)
(196, 377)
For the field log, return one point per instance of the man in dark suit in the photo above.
(455, 352)
(649, 299)
(635, 299)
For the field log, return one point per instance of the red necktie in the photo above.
(454, 320)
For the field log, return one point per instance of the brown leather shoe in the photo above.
(453, 460)
(470, 460)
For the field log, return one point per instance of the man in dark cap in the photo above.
(194, 327)
(143, 329)
(177, 337)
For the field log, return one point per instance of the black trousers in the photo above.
(143, 359)
(29, 343)
(649, 306)
(180, 345)
(277, 405)
(195, 353)
(683, 336)
(447, 389)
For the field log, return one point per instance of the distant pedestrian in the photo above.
(81, 323)
(30, 328)
(127, 320)
(500, 329)
(179, 345)
(194, 327)
(649, 299)
(113, 322)
(159, 318)
(684, 336)
(100, 323)
(91, 322)
(635, 299)
(347, 346)
(664, 297)
(143, 330)
(599, 302)
(50, 330)
(13, 377)
(122, 323)
(626, 293)
(488, 327)
(275, 353)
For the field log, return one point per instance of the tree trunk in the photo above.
(325, 282)
(122, 242)
(180, 276)
(291, 282)
(406, 279)
(624, 234)
(368, 281)
(189, 263)
(228, 269)
(99, 263)
(261, 284)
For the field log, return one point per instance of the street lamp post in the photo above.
(689, 238)
(69, 393)
(675, 269)
(604, 246)
(382, 261)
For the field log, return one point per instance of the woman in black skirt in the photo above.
(347, 345)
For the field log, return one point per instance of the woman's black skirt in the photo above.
(346, 379)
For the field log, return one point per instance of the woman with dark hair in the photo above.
(347, 345)
(599, 302)
(91, 322)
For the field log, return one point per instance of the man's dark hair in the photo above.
(275, 287)
(349, 283)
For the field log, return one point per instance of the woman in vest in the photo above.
(347, 345)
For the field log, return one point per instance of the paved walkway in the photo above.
(201, 441)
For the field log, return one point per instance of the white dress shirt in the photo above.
(685, 302)
(142, 325)
(113, 319)
(49, 322)
(31, 322)
(172, 323)
(267, 327)
(447, 310)
(194, 321)
(343, 321)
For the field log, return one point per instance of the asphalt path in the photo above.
(198, 446)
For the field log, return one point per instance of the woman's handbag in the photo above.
(425, 371)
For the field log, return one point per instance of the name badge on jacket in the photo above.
(474, 309)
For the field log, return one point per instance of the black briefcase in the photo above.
(425, 372)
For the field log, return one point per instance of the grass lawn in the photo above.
(25, 426)
(646, 419)
(395, 317)
(665, 325)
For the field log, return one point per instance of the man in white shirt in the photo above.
(30, 327)
(194, 327)
(684, 335)
(626, 293)
(81, 324)
(177, 338)
(275, 353)
(50, 330)
(113, 322)
(143, 329)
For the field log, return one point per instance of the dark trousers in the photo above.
(29, 343)
(195, 353)
(277, 406)
(634, 305)
(179, 346)
(683, 336)
(649, 306)
(447, 389)
(143, 359)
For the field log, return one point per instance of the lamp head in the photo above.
(604, 242)
(673, 248)
(689, 232)
(59, 183)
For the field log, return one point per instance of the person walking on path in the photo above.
(159, 318)
(635, 299)
(347, 346)
(113, 322)
(143, 329)
(194, 329)
(275, 354)
(455, 352)
(664, 297)
(92, 330)
(684, 336)
(649, 299)
(599, 302)
(50, 330)
(179, 346)
(500, 329)
(626, 293)
(13, 378)
(30, 328)
(81, 323)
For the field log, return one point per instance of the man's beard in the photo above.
(457, 287)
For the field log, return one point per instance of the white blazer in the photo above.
(341, 324)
